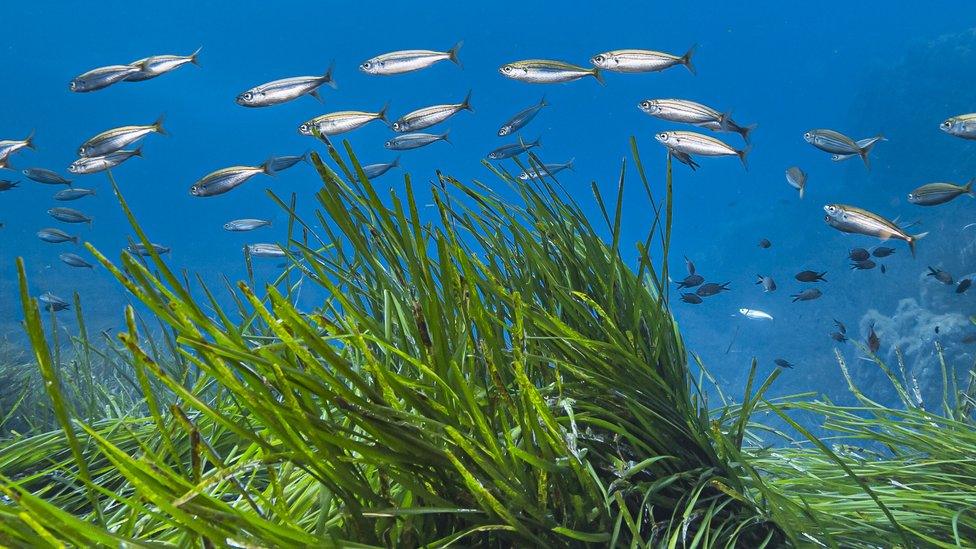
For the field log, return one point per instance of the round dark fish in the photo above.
(765, 243)
(711, 288)
(810, 276)
(691, 298)
(689, 265)
(940, 275)
(691, 281)
(964, 285)
(882, 251)
(858, 254)
(783, 363)
(807, 295)
(863, 265)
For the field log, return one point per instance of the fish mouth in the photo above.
(195, 191)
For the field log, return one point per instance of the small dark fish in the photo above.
(840, 326)
(863, 265)
(783, 363)
(884, 269)
(858, 254)
(52, 302)
(684, 158)
(101, 77)
(964, 285)
(48, 177)
(56, 236)
(838, 337)
(691, 298)
(375, 170)
(874, 342)
(6, 185)
(882, 251)
(711, 288)
(768, 284)
(807, 295)
(940, 275)
(73, 193)
(691, 281)
(810, 276)
(138, 248)
(765, 243)
(69, 215)
(522, 118)
(690, 265)
(508, 151)
(75, 260)
(279, 163)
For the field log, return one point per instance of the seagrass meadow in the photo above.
(501, 375)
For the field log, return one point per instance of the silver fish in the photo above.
(287, 89)
(521, 118)
(547, 169)
(265, 250)
(835, 142)
(227, 179)
(409, 141)
(10, 146)
(508, 151)
(696, 143)
(375, 170)
(156, 65)
(56, 236)
(755, 314)
(335, 123)
(546, 71)
(642, 60)
(75, 260)
(101, 77)
(864, 144)
(690, 112)
(69, 215)
(934, 194)
(797, 179)
(398, 62)
(45, 176)
(52, 302)
(139, 248)
(429, 116)
(73, 193)
(850, 219)
(118, 138)
(94, 164)
(240, 225)
(963, 126)
(279, 163)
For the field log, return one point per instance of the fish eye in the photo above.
(366, 65)
(507, 68)
(600, 59)
(396, 126)
(247, 96)
(72, 85)
(807, 135)
(645, 104)
(947, 124)
(911, 196)
(303, 128)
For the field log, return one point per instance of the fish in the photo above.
(373, 171)
(48, 177)
(399, 62)
(691, 281)
(239, 225)
(6, 184)
(56, 236)
(690, 112)
(94, 164)
(69, 215)
(118, 138)
(963, 125)
(783, 363)
(546, 71)
(964, 285)
(765, 243)
(10, 146)
(797, 179)
(696, 143)
(409, 141)
(810, 276)
(73, 193)
(265, 250)
(807, 295)
(835, 142)
(838, 336)
(227, 179)
(726, 124)
(883, 269)
(691, 298)
(689, 265)
(941, 276)
(101, 77)
(52, 302)
(934, 194)
(858, 254)
(849, 219)
(755, 314)
(684, 158)
(281, 163)
(75, 260)
(508, 151)
(711, 288)
(840, 326)
(430, 116)
(138, 248)
(969, 338)
(335, 123)
(546, 169)
(863, 265)
(768, 284)
(864, 144)
(882, 251)
(156, 65)
(522, 118)
(874, 342)
(284, 90)
(642, 60)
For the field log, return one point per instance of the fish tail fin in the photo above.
(863, 153)
(542, 102)
(382, 113)
(327, 78)
(686, 59)
(452, 53)
(307, 156)
(742, 156)
(569, 165)
(746, 132)
(444, 137)
(158, 125)
(912, 239)
(802, 188)
(726, 285)
(969, 187)
(796, 297)
(138, 151)
(29, 141)
(821, 276)
(595, 71)
(195, 56)
(268, 167)
(91, 222)
(396, 162)
(466, 104)
(74, 239)
(537, 142)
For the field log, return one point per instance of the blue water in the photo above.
(853, 67)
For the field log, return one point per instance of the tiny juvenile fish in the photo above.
(835, 142)
(684, 158)
(694, 299)
(75, 260)
(807, 295)
(768, 284)
(521, 118)
(373, 171)
(782, 363)
(335, 123)
(810, 276)
(696, 143)
(430, 116)
(858, 254)
(56, 236)
(642, 60)
(838, 337)
(765, 243)
(118, 138)
(882, 251)
(934, 194)
(280, 163)
(69, 215)
(94, 164)
(863, 265)
(409, 141)
(52, 302)
(941, 276)
(711, 288)
(963, 126)
(73, 193)
(755, 314)
(156, 65)
(240, 225)
(399, 62)
(964, 285)
(864, 144)
(547, 169)
(6, 185)
(265, 250)
(849, 219)
(546, 71)
(10, 146)
(227, 179)
(138, 248)
(874, 342)
(689, 265)
(101, 77)
(797, 179)
(691, 281)
(508, 151)
(281, 91)
(48, 177)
